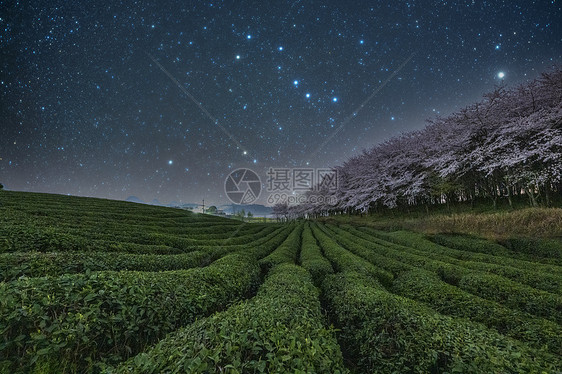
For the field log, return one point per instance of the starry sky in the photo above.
(164, 99)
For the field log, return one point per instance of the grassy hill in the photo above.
(92, 285)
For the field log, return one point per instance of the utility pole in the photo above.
(203, 205)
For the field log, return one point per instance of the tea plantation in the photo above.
(99, 286)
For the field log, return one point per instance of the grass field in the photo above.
(91, 286)
(493, 224)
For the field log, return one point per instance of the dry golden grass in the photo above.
(529, 222)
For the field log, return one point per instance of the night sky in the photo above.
(90, 103)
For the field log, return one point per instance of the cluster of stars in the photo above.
(86, 110)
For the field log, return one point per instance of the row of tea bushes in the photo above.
(343, 260)
(35, 264)
(471, 244)
(419, 242)
(537, 279)
(286, 253)
(364, 249)
(186, 243)
(30, 238)
(446, 299)
(548, 248)
(543, 280)
(529, 249)
(488, 286)
(427, 287)
(386, 333)
(64, 324)
(312, 259)
(279, 330)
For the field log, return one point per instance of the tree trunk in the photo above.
(532, 197)
(547, 194)
(508, 188)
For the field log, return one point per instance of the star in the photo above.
(156, 119)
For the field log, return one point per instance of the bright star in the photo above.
(170, 162)
(335, 99)
(307, 95)
(392, 118)
(361, 41)
(280, 48)
(296, 82)
(501, 74)
(249, 36)
(245, 152)
(238, 57)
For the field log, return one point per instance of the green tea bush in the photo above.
(132, 248)
(260, 248)
(21, 238)
(212, 231)
(426, 287)
(417, 241)
(227, 247)
(36, 264)
(365, 250)
(469, 243)
(549, 248)
(386, 333)
(67, 323)
(185, 243)
(514, 295)
(49, 239)
(286, 252)
(551, 282)
(312, 259)
(343, 260)
(540, 280)
(280, 330)
(488, 286)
